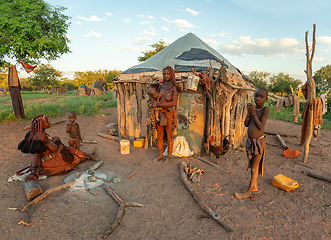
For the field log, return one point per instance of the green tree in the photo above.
(260, 79)
(322, 78)
(31, 30)
(70, 86)
(26, 84)
(89, 77)
(281, 83)
(4, 76)
(156, 47)
(45, 76)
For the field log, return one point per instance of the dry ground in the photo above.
(169, 210)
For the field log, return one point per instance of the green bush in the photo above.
(83, 105)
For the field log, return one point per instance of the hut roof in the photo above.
(185, 53)
(100, 84)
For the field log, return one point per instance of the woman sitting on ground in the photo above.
(50, 157)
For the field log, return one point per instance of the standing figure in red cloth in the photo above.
(167, 101)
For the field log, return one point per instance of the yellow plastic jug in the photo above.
(139, 142)
(284, 183)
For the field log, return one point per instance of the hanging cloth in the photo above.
(15, 94)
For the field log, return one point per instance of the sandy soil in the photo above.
(169, 211)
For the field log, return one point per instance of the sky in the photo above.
(254, 35)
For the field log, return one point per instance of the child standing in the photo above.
(255, 145)
(73, 131)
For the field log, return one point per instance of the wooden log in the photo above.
(45, 194)
(121, 110)
(95, 166)
(318, 176)
(120, 210)
(110, 137)
(201, 202)
(284, 146)
(90, 142)
(212, 164)
(52, 124)
(280, 134)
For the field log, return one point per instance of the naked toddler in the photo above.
(73, 131)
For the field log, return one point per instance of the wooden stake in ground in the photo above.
(282, 142)
(200, 201)
(120, 211)
(45, 194)
(31, 205)
(311, 92)
(110, 137)
(212, 164)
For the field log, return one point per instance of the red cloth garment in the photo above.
(318, 112)
(12, 77)
(316, 107)
(28, 68)
(206, 80)
(57, 165)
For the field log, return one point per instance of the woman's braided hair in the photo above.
(31, 142)
(173, 76)
(37, 126)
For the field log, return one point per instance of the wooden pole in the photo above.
(201, 202)
(212, 164)
(311, 92)
(318, 176)
(120, 211)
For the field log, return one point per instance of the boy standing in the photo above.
(255, 121)
(73, 131)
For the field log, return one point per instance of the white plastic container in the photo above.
(125, 146)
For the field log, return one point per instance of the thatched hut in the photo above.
(59, 90)
(83, 90)
(99, 87)
(218, 111)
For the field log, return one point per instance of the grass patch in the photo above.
(59, 105)
(286, 114)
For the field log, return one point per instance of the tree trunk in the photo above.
(311, 92)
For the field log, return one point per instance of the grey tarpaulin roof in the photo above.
(100, 84)
(186, 52)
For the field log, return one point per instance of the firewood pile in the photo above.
(193, 173)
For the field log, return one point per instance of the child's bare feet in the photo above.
(243, 195)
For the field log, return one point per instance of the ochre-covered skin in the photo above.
(167, 100)
(255, 121)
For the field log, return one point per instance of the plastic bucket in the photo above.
(125, 146)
